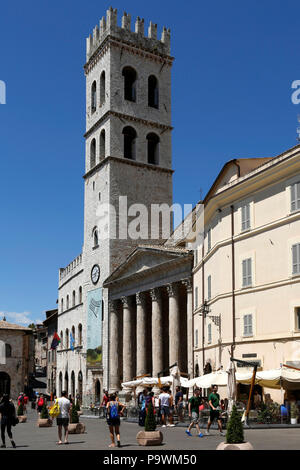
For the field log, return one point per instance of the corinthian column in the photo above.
(189, 314)
(141, 359)
(127, 341)
(157, 345)
(173, 324)
(114, 372)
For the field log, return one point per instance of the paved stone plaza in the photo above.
(29, 437)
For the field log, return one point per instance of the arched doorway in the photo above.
(80, 386)
(97, 391)
(73, 384)
(4, 383)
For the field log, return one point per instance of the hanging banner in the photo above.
(94, 327)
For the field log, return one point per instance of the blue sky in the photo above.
(234, 65)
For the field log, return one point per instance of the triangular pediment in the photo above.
(143, 259)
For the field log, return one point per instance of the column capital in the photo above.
(139, 298)
(155, 294)
(125, 301)
(188, 283)
(172, 289)
(112, 305)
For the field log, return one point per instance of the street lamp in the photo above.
(204, 311)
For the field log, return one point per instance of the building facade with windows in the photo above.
(16, 358)
(247, 273)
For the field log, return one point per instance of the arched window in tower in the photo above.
(153, 148)
(79, 334)
(80, 295)
(68, 302)
(153, 93)
(61, 340)
(102, 144)
(62, 305)
(129, 142)
(94, 97)
(102, 88)
(73, 299)
(67, 338)
(93, 153)
(130, 79)
(95, 238)
(73, 334)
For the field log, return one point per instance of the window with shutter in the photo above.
(248, 330)
(295, 197)
(196, 338)
(297, 318)
(196, 297)
(296, 258)
(246, 217)
(247, 272)
(209, 287)
(209, 333)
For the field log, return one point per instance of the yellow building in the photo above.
(248, 270)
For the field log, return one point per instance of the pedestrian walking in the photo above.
(214, 410)
(40, 403)
(63, 418)
(104, 402)
(179, 403)
(114, 410)
(8, 419)
(164, 405)
(194, 405)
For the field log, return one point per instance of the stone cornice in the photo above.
(123, 45)
(126, 161)
(127, 117)
(161, 267)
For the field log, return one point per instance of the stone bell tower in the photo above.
(128, 137)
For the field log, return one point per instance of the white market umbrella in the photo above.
(231, 385)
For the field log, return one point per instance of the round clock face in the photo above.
(95, 274)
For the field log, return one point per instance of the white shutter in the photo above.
(248, 329)
(209, 333)
(295, 197)
(245, 217)
(196, 297)
(296, 258)
(209, 287)
(247, 272)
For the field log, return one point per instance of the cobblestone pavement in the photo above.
(29, 437)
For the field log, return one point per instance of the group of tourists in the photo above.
(196, 405)
(164, 407)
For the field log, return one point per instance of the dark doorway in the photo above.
(4, 383)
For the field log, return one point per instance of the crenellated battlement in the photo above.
(108, 27)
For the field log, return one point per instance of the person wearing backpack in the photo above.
(40, 403)
(113, 419)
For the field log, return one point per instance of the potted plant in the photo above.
(75, 427)
(149, 437)
(44, 421)
(235, 434)
(294, 413)
(20, 413)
